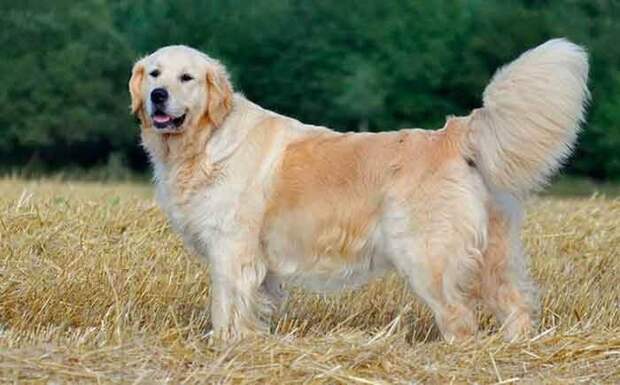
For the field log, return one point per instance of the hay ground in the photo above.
(94, 288)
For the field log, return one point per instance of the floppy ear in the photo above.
(135, 86)
(219, 94)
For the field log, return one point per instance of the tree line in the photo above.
(350, 65)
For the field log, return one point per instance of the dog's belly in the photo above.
(344, 277)
(327, 274)
(304, 251)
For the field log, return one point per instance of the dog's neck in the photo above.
(227, 138)
(170, 150)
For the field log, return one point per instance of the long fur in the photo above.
(533, 110)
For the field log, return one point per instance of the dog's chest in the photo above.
(201, 217)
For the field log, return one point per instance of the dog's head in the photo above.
(178, 87)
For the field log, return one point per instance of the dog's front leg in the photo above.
(238, 307)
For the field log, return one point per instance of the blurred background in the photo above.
(350, 65)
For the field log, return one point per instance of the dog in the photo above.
(268, 200)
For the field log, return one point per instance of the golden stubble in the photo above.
(96, 288)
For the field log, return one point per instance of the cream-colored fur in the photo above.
(532, 112)
(267, 200)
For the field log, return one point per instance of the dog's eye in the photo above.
(154, 73)
(186, 78)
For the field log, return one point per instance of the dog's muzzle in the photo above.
(162, 120)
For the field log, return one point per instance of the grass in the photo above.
(94, 288)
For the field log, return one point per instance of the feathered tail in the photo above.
(532, 112)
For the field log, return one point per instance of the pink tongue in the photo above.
(161, 118)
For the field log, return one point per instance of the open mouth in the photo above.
(162, 121)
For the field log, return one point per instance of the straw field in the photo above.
(95, 288)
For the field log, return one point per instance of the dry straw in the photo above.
(94, 288)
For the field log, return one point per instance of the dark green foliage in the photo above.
(63, 97)
(351, 65)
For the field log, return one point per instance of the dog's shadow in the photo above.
(382, 308)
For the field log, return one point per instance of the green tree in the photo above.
(62, 98)
(349, 65)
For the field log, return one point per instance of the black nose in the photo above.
(159, 95)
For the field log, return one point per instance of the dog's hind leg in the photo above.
(506, 288)
(434, 279)
(440, 262)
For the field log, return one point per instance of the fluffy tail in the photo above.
(533, 109)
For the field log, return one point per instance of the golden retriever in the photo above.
(268, 200)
